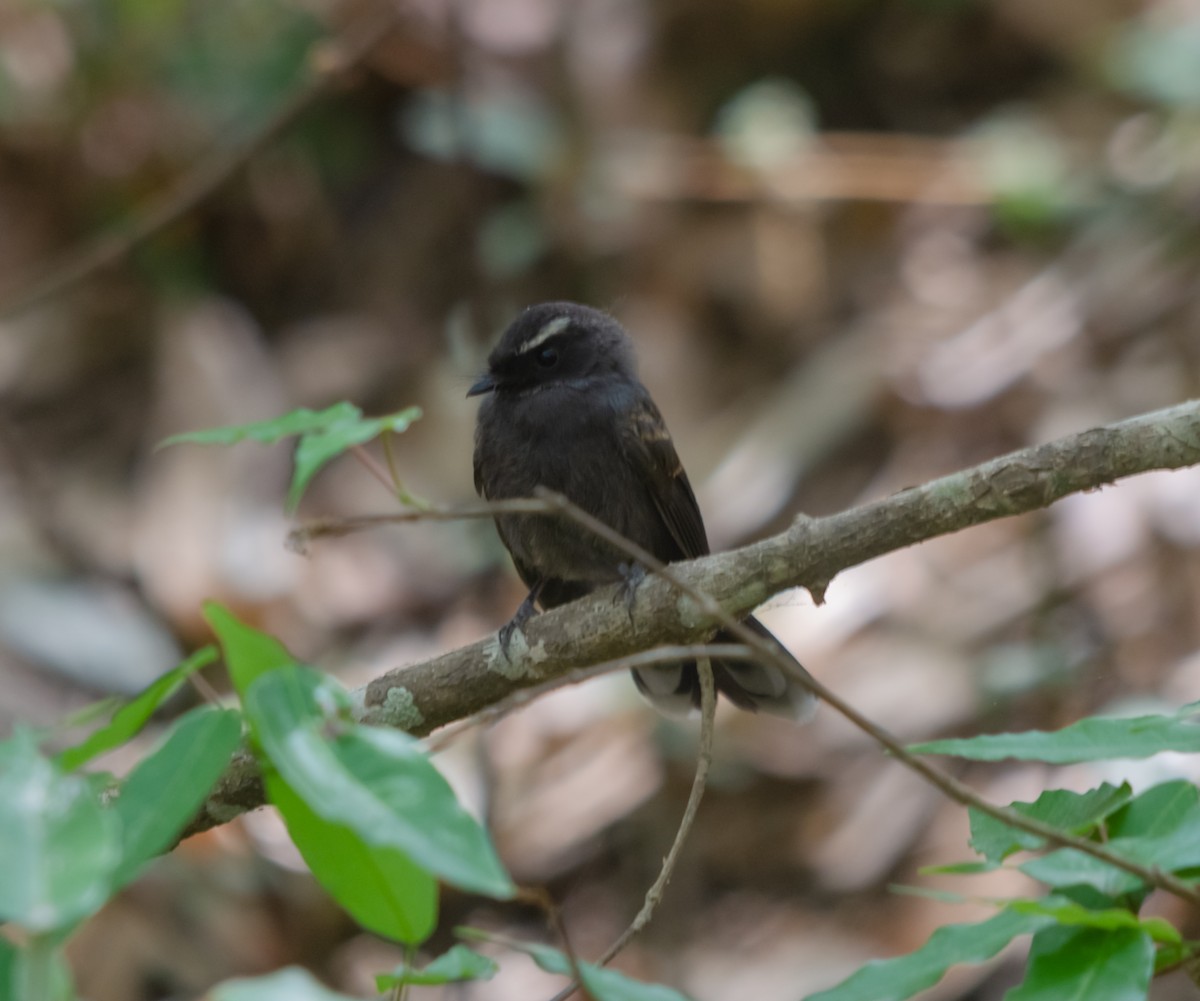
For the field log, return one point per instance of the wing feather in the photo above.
(653, 453)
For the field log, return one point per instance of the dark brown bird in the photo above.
(565, 410)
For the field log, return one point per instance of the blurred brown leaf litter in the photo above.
(859, 246)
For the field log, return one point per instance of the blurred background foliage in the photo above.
(860, 244)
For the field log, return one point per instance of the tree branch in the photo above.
(425, 696)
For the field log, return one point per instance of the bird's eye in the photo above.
(547, 357)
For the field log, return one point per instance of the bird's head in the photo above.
(556, 342)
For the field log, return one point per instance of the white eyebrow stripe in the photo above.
(555, 326)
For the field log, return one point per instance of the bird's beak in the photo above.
(485, 384)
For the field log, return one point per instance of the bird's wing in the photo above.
(477, 463)
(657, 463)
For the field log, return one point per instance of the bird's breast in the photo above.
(571, 444)
(552, 438)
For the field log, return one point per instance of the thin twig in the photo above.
(374, 468)
(204, 689)
(332, 59)
(950, 786)
(708, 712)
(537, 896)
(400, 991)
(333, 528)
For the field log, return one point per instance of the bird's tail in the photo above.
(674, 689)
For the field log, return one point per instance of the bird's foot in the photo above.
(632, 575)
(516, 624)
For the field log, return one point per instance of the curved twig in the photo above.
(708, 712)
(947, 784)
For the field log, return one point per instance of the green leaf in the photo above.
(129, 719)
(899, 978)
(378, 783)
(323, 434)
(316, 448)
(1087, 964)
(459, 963)
(601, 983)
(1159, 811)
(1070, 812)
(60, 846)
(1159, 828)
(168, 786)
(959, 869)
(297, 422)
(1168, 957)
(1066, 868)
(1068, 912)
(382, 889)
(248, 652)
(89, 714)
(928, 893)
(290, 984)
(1092, 739)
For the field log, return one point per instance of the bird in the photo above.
(564, 410)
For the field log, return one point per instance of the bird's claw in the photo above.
(632, 575)
(516, 624)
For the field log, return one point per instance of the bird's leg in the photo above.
(632, 575)
(526, 611)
